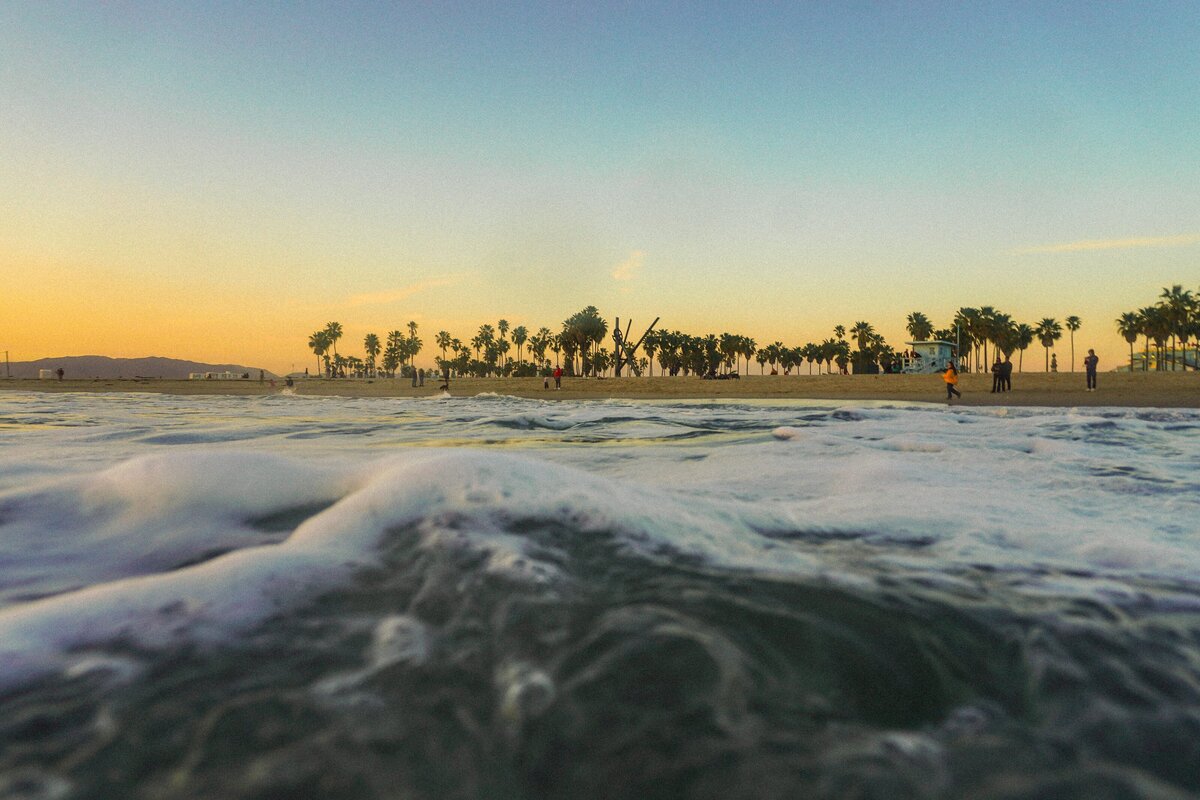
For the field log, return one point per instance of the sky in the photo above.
(215, 181)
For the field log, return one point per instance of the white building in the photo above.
(928, 357)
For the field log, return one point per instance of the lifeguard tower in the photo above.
(928, 358)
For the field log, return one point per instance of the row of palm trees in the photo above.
(972, 330)
(578, 345)
(398, 350)
(1169, 325)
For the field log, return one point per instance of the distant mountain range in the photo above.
(78, 367)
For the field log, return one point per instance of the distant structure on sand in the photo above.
(218, 376)
(928, 357)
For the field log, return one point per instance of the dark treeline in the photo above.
(1167, 327)
(579, 346)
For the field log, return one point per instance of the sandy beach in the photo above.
(1137, 390)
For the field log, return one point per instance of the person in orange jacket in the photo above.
(950, 376)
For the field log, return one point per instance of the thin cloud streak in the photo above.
(396, 295)
(624, 271)
(1114, 244)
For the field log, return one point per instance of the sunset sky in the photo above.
(215, 181)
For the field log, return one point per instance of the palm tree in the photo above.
(394, 352)
(520, 336)
(862, 332)
(985, 324)
(442, 340)
(1156, 325)
(774, 353)
(919, 327)
(544, 337)
(1048, 332)
(319, 343)
(1072, 324)
(1023, 338)
(968, 324)
(748, 349)
(650, 345)
(584, 329)
(1192, 332)
(1130, 327)
(371, 346)
(1178, 303)
(334, 331)
(483, 339)
(1004, 334)
(839, 331)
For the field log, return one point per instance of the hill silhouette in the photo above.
(77, 367)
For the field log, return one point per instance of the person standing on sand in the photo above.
(1089, 365)
(997, 375)
(1054, 362)
(558, 377)
(950, 376)
(421, 376)
(1006, 375)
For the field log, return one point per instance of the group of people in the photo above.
(1002, 375)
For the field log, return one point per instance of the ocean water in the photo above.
(489, 597)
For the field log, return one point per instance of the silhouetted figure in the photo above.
(1089, 365)
(1006, 374)
(997, 376)
(421, 376)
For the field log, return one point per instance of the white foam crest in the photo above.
(149, 514)
(229, 483)
(208, 602)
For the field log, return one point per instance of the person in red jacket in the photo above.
(558, 377)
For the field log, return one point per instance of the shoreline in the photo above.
(1131, 390)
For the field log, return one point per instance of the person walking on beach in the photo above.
(950, 376)
(1089, 365)
(558, 377)
(997, 375)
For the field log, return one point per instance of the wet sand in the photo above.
(1149, 390)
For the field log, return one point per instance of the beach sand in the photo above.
(1062, 389)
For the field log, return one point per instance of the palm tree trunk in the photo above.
(1131, 358)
